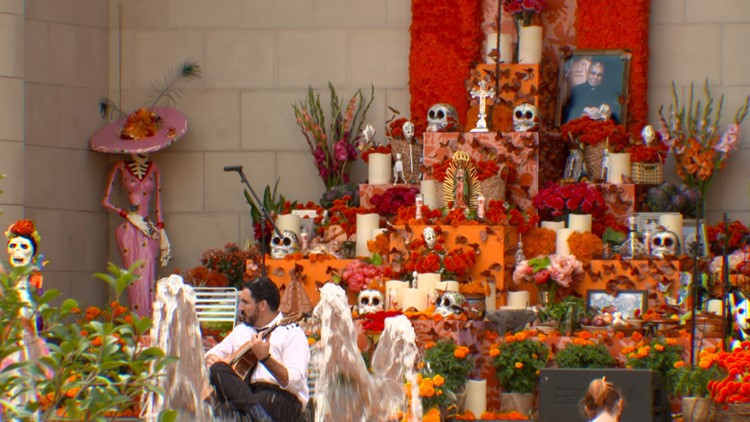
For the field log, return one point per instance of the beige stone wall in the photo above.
(258, 57)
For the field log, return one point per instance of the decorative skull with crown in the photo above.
(370, 301)
(283, 245)
(664, 243)
(450, 303)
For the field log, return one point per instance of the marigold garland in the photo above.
(446, 41)
(620, 24)
(539, 241)
(585, 246)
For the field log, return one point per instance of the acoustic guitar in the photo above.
(243, 360)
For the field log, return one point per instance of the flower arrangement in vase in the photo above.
(736, 236)
(361, 274)
(232, 262)
(693, 381)
(388, 203)
(518, 360)
(454, 264)
(557, 201)
(450, 360)
(549, 273)
(691, 131)
(668, 197)
(333, 147)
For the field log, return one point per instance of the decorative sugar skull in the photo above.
(648, 135)
(450, 303)
(525, 117)
(284, 245)
(441, 118)
(430, 237)
(664, 243)
(408, 128)
(370, 301)
(21, 250)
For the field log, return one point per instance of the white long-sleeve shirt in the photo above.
(288, 346)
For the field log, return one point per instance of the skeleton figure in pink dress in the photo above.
(138, 238)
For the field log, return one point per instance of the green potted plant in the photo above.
(568, 313)
(584, 354)
(518, 360)
(658, 355)
(691, 384)
(450, 361)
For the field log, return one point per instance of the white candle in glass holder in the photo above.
(619, 165)
(562, 241)
(579, 222)
(553, 225)
(429, 193)
(289, 222)
(366, 223)
(414, 298)
(519, 299)
(476, 396)
(379, 169)
(396, 288)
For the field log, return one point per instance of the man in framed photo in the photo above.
(594, 92)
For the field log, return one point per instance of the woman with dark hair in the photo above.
(602, 402)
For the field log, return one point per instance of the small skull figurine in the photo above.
(369, 301)
(408, 128)
(284, 245)
(525, 117)
(441, 118)
(664, 243)
(648, 135)
(450, 303)
(21, 250)
(430, 237)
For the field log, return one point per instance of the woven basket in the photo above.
(594, 157)
(734, 412)
(410, 156)
(646, 173)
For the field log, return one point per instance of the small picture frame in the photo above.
(646, 222)
(690, 238)
(631, 303)
(590, 78)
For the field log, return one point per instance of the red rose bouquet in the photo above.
(556, 201)
(389, 202)
(588, 131)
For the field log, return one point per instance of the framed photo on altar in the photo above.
(590, 78)
(631, 303)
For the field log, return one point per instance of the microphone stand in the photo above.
(264, 216)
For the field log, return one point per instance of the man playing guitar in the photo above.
(275, 389)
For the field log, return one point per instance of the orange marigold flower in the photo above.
(438, 380)
(429, 345)
(519, 365)
(97, 342)
(679, 364)
(637, 336)
(494, 352)
(659, 348)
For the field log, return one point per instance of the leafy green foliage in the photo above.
(569, 312)
(441, 359)
(659, 355)
(585, 356)
(97, 365)
(693, 381)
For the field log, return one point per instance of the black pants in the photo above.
(260, 401)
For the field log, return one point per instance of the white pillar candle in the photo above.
(530, 45)
(714, 307)
(429, 193)
(428, 280)
(394, 292)
(518, 299)
(414, 298)
(579, 222)
(490, 43)
(476, 397)
(673, 223)
(366, 223)
(619, 165)
(553, 225)
(562, 241)
(379, 169)
(447, 286)
(288, 222)
(490, 303)
(506, 48)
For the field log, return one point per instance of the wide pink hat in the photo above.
(111, 138)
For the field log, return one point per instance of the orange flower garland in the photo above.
(539, 241)
(585, 246)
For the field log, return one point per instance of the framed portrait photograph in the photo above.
(631, 303)
(590, 78)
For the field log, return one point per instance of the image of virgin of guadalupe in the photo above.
(460, 190)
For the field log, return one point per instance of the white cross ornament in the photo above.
(482, 93)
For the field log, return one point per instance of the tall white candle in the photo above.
(289, 222)
(506, 48)
(619, 165)
(673, 223)
(476, 396)
(490, 43)
(379, 169)
(490, 303)
(429, 193)
(366, 223)
(580, 222)
(715, 307)
(518, 299)
(394, 292)
(447, 286)
(428, 280)
(530, 45)
(553, 225)
(414, 298)
(562, 241)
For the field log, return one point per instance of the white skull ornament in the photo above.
(430, 237)
(450, 303)
(284, 245)
(370, 301)
(441, 117)
(20, 250)
(525, 117)
(664, 243)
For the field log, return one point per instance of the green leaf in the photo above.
(539, 263)
(167, 416)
